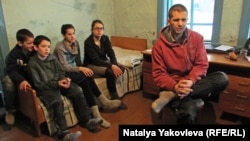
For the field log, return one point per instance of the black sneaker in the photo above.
(93, 123)
(199, 103)
(187, 110)
(72, 136)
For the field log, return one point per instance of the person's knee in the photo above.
(57, 103)
(78, 92)
(109, 73)
(8, 84)
(78, 95)
(222, 79)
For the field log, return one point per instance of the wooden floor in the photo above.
(138, 112)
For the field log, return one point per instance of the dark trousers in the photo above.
(81, 108)
(210, 86)
(110, 77)
(87, 84)
(52, 101)
(10, 94)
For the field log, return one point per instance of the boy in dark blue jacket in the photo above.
(15, 71)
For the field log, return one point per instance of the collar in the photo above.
(71, 47)
(168, 34)
(25, 51)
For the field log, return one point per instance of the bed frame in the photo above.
(131, 43)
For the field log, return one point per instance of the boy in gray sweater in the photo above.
(47, 76)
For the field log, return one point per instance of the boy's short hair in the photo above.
(39, 39)
(23, 34)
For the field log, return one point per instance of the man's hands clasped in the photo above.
(183, 88)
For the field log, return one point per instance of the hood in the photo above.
(166, 37)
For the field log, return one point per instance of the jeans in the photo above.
(52, 100)
(109, 75)
(208, 88)
(87, 84)
(10, 94)
(75, 94)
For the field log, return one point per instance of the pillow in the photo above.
(128, 58)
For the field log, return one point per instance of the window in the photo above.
(209, 26)
(200, 15)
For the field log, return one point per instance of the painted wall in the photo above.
(47, 16)
(139, 17)
(230, 22)
(134, 18)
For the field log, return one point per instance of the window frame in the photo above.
(218, 8)
(4, 45)
(162, 8)
(244, 24)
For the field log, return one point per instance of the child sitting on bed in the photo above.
(100, 57)
(47, 76)
(68, 53)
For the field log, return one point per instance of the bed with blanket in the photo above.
(128, 53)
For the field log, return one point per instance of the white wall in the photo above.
(230, 22)
(133, 18)
(47, 16)
(136, 18)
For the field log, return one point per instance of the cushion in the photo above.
(128, 58)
